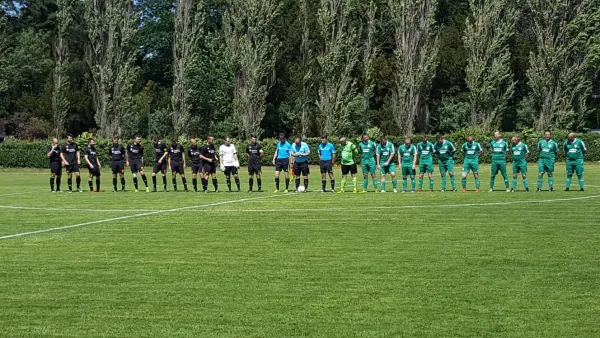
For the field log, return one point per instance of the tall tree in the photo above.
(252, 48)
(189, 22)
(338, 97)
(112, 25)
(60, 103)
(415, 59)
(370, 51)
(565, 61)
(488, 73)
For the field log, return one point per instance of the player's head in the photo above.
(343, 141)
(571, 137)
(155, 139)
(227, 141)
(91, 141)
(193, 142)
(470, 139)
(281, 137)
(365, 138)
(210, 140)
(407, 140)
(298, 140)
(440, 138)
(137, 139)
(54, 140)
(69, 138)
(253, 139)
(516, 140)
(424, 139)
(324, 139)
(547, 135)
(383, 139)
(497, 135)
(115, 140)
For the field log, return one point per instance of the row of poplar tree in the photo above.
(193, 67)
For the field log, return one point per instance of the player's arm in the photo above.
(87, 160)
(275, 155)
(51, 150)
(583, 148)
(183, 157)
(127, 156)
(392, 154)
(261, 153)
(480, 149)
(414, 166)
(333, 152)
(377, 157)
(62, 156)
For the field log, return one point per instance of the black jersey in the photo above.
(70, 150)
(135, 151)
(91, 154)
(176, 153)
(194, 155)
(159, 150)
(208, 151)
(116, 153)
(55, 156)
(253, 151)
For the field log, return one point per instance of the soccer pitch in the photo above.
(299, 265)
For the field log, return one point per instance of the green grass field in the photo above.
(299, 265)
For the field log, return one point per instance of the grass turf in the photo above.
(308, 265)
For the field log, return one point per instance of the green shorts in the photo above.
(446, 167)
(498, 166)
(369, 167)
(545, 166)
(407, 171)
(471, 166)
(574, 167)
(388, 169)
(426, 168)
(519, 168)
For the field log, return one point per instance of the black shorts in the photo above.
(136, 166)
(72, 168)
(254, 169)
(282, 165)
(196, 168)
(94, 172)
(326, 167)
(231, 170)
(349, 169)
(301, 169)
(56, 168)
(117, 167)
(210, 168)
(177, 167)
(160, 167)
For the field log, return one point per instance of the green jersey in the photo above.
(548, 149)
(472, 151)
(367, 151)
(425, 152)
(499, 149)
(574, 150)
(348, 152)
(385, 152)
(520, 152)
(445, 150)
(407, 154)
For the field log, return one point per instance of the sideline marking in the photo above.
(75, 209)
(19, 193)
(135, 216)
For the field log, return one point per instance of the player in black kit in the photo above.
(135, 161)
(72, 159)
(91, 158)
(53, 153)
(210, 160)
(255, 154)
(161, 152)
(194, 156)
(117, 156)
(177, 163)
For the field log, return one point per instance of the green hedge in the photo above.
(32, 154)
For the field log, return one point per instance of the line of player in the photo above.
(373, 157)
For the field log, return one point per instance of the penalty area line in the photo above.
(135, 216)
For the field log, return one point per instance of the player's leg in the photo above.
(305, 172)
(215, 181)
(195, 170)
(365, 172)
(422, 169)
(579, 172)
(541, 171)
(277, 178)
(205, 175)
(183, 179)
(53, 169)
(78, 178)
(331, 177)
(286, 173)
(345, 171)
(523, 170)
(550, 171)
(394, 179)
(504, 175)
(475, 168)
(58, 177)
(383, 173)
(91, 180)
(430, 175)
(236, 178)
(98, 180)
(373, 169)
(70, 178)
(296, 171)
(405, 174)
(450, 169)
(323, 170)
(154, 172)
(122, 176)
(144, 179)
(515, 176)
(174, 171)
(494, 171)
(115, 173)
(465, 172)
(443, 172)
(353, 172)
(134, 173)
(227, 173)
(250, 177)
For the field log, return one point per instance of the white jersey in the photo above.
(227, 155)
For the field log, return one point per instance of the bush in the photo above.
(32, 154)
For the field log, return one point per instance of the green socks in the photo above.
(395, 183)
(444, 181)
(477, 183)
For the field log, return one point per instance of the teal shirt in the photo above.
(575, 150)
(425, 152)
(407, 154)
(283, 150)
(385, 152)
(367, 151)
(548, 150)
(444, 150)
(472, 151)
(499, 149)
(520, 152)
(300, 149)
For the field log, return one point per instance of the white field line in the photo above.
(135, 216)
(74, 209)
(428, 206)
(19, 193)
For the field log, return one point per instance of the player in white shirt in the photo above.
(230, 163)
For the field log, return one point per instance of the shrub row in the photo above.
(32, 154)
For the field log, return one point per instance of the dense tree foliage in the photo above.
(198, 67)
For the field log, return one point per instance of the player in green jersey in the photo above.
(472, 150)
(548, 149)
(407, 160)
(574, 150)
(520, 153)
(349, 150)
(367, 150)
(425, 150)
(499, 150)
(445, 151)
(385, 162)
